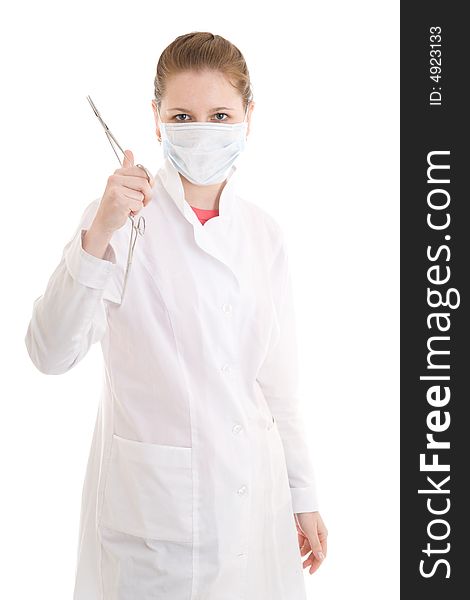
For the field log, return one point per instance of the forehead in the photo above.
(204, 89)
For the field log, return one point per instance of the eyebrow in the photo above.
(186, 110)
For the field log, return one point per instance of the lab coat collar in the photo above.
(214, 236)
(171, 180)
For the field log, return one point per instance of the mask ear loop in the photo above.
(246, 113)
(160, 118)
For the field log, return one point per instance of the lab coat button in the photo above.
(237, 428)
(227, 308)
(242, 490)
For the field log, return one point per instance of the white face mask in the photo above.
(203, 152)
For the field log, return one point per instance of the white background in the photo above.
(322, 158)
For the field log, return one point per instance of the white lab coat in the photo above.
(199, 457)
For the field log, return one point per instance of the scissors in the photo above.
(138, 228)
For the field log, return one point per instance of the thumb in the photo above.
(128, 159)
(316, 546)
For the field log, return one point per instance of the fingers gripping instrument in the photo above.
(139, 227)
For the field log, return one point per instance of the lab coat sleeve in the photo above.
(70, 315)
(278, 377)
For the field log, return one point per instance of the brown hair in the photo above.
(200, 50)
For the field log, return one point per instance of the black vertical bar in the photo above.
(434, 123)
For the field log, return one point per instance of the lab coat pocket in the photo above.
(148, 490)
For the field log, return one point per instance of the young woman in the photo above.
(199, 483)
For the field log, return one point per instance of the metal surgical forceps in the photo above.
(138, 228)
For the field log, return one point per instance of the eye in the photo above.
(217, 115)
(181, 115)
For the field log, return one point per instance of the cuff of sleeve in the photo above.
(304, 499)
(87, 269)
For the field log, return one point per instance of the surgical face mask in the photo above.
(203, 152)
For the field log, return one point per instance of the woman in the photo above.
(199, 483)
